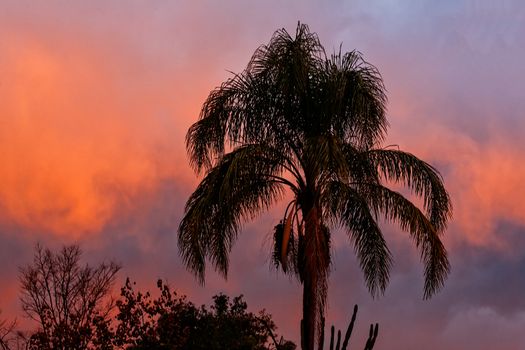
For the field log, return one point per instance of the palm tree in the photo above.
(297, 124)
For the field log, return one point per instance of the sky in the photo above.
(96, 98)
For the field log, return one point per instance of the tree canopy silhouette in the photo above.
(302, 125)
(170, 321)
(67, 301)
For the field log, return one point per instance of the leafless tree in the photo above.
(65, 298)
(6, 333)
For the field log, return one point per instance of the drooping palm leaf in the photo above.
(420, 176)
(244, 183)
(356, 92)
(351, 209)
(396, 208)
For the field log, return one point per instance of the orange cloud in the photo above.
(484, 178)
(75, 139)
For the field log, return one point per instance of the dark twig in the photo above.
(321, 336)
(370, 342)
(349, 329)
(372, 337)
(332, 338)
(338, 346)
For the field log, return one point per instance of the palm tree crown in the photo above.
(297, 121)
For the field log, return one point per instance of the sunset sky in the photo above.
(96, 98)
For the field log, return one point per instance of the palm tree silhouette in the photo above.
(299, 124)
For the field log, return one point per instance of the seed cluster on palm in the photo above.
(298, 123)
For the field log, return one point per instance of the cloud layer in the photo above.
(96, 98)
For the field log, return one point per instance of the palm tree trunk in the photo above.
(313, 274)
(309, 313)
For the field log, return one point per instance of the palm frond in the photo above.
(396, 208)
(263, 104)
(289, 61)
(358, 100)
(242, 185)
(348, 207)
(421, 177)
(324, 155)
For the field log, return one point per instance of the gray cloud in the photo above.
(456, 66)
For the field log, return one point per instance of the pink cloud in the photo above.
(96, 98)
